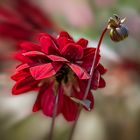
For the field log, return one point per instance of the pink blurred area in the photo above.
(76, 12)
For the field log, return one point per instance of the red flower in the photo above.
(58, 66)
(21, 20)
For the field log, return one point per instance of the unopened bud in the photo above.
(118, 30)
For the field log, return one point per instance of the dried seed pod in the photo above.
(118, 31)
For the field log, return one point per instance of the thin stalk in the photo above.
(54, 117)
(88, 84)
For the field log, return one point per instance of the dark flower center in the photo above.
(62, 74)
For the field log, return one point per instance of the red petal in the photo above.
(88, 58)
(24, 85)
(48, 101)
(37, 105)
(22, 67)
(36, 57)
(45, 70)
(70, 109)
(79, 71)
(65, 34)
(33, 53)
(101, 69)
(72, 51)
(48, 45)
(40, 35)
(82, 42)
(57, 58)
(20, 75)
(95, 80)
(62, 41)
(29, 46)
(102, 83)
(22, 58)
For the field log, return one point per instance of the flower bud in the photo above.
(118, 34)
(118, 31)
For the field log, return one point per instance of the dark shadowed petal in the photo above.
(79, 71)
(24, 85)
(101, 69)
(72, 51)
(102, 83)
(45, 70)
(48, 100)
(48, 45)
(70, 109)
(29, 46)
(37, 105)
(82, 42)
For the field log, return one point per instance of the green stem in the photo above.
(89, 83)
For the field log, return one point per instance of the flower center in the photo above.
(62, 74)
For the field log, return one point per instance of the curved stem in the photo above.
(88, 84)
(54, 116)
(93, 64)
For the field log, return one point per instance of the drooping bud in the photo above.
(118, 30)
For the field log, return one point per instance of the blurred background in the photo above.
(116, 115)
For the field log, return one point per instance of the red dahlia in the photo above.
(57, 66)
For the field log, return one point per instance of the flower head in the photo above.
(58, 66)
